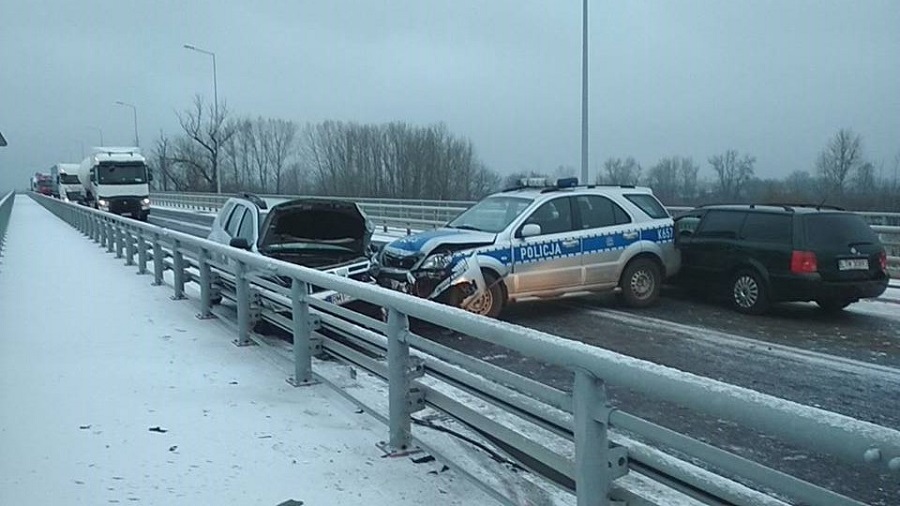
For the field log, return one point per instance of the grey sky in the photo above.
(773, 78)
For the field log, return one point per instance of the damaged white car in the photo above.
(329, 235)
(539, 242)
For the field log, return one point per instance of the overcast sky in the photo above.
(772, 78)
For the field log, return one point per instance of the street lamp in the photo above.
(215, 102)
(584, 94)
(137, 141)
(99, 130)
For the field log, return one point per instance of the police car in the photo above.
(537, 242)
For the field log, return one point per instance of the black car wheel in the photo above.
(834, 305)
(640, 283)
(748, 292)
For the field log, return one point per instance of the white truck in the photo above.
(117, 180)
(66, 185)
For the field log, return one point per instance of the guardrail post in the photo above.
(178, 270)
(120, 240)
(141, 252)
(205, 284)
(110, 237)
(157, 261)
(129, 248)
(398, 381)
(302, 334)
(591, 411)
(242, 289)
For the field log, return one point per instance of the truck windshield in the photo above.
(491, 214)
(122, 173)
(68, 179)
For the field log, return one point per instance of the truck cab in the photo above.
(116, 180)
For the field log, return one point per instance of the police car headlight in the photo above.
(437, 262)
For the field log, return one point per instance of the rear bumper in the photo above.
(814, 288)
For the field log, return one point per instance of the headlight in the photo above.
(145, 203)
(103, 203)
(437, 262)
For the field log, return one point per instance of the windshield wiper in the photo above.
(467, 227)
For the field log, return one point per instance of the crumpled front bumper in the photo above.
(436, 284)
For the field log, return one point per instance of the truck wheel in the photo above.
(492, 301)
(749, 294)
(640, 283)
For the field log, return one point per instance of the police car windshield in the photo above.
(492, 214)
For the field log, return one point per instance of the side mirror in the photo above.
(530, 230)
(240, 243)
(149, 175)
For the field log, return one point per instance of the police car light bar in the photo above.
(543, 182)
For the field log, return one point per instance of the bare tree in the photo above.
(664, 178)
(618, 171)
(733, 172)
(687, 171)
(209, 134)
(840, 157)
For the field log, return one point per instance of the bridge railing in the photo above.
(576, 439)
(6, 203)
(413, 215)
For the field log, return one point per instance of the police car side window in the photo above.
(597, 211)
(554, 216)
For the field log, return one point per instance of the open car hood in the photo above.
(318, 225)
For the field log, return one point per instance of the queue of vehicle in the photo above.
(540, 241)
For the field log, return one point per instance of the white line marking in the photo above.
(718, 338)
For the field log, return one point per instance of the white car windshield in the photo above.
(492, 214)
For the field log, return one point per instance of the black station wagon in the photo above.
(756, 255)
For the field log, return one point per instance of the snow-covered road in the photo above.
(113, 394)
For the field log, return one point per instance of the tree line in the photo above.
(399, 160)
(336, 158)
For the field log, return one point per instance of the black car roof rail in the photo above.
(252, 197)
(812, 206)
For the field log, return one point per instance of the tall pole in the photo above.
(215, 104)
(137, 141)
(584, 95)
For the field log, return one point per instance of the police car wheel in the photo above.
(491, 302)
(640, 283)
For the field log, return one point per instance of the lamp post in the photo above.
(584, 94)
(99, 130)
(215, 102)
(137, 141)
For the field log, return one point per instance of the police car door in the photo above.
(607, 232)
(551, 260)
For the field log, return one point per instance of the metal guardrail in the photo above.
(511, 409)
(6, 204)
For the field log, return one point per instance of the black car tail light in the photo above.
(804, 262)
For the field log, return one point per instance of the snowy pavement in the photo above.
(114, 394)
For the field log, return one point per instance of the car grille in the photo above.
(395, 261)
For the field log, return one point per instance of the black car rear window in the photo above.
(768, 228)
(837, 229)
(648, 204)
